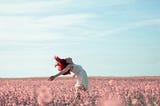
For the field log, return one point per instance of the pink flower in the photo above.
(134, 101)
(44, 96)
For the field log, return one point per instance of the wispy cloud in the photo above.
(130, 26)
(100, 3)
(24, 7)
(60, 21)
(30, 27)
(93, 33)
(20, 27)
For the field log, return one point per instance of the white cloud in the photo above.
(131, 26)
(32, 6)
(64, 20)
(117, 2)
(36, 28)
(99, 3)
(100, 33)
(10, 7)
(30, 28)
(145, 23)
(31, 36)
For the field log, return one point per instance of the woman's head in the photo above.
(69, 60)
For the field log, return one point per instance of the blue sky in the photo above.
(106, 37)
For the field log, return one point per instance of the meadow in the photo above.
(103, 91)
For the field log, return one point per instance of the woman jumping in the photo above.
(65, 66)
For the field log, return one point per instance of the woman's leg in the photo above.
(78, 90)
(77, 93)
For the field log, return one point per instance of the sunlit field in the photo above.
(103, 91)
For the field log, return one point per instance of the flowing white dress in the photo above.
(82, 78)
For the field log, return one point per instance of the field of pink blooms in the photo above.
(103, 91)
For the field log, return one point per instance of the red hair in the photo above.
(61, 64)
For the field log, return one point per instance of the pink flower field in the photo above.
(103, 91)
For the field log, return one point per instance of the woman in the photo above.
(82, 78)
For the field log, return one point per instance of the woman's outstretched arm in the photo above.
(60, 73)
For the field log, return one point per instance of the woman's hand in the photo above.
(51, 78)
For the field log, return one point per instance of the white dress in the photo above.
(82, 78)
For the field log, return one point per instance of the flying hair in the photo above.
(61, 64)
